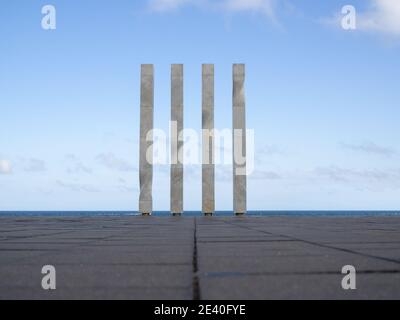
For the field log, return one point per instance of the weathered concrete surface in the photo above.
(239, 139)
(176, 142)
(208, 195)
(235, 257)
(146, 137)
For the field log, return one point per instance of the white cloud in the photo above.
(378, 179)
(264, 175)
(76, 187)
(167, 5)
(5, 167)
(267, 7)
(110, 161)
(76, 166)
(369, 147)
(127, 189)
(35, 165)
(382, 16)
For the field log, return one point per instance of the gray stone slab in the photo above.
(102, 293)
(107, 257)
(287, 262)
(103, 276)
(383, 252)
(15, 257)
(327, 286)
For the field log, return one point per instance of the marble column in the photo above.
(176, 143)
(239, 140)
(208, 199)
(146, 138)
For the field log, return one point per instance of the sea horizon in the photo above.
(191, 213)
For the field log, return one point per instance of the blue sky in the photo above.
(323, 101)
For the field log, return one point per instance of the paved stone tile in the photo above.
(323, 286)
(104, 276)
(110, 256)
(110, 293)
(281, 264)
(12, 256)
(384, 253)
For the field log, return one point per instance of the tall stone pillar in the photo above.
(176, 143)
(146, 138)
(239, 140)
(208, 201)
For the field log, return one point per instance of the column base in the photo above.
(208, 214)
(176, 214)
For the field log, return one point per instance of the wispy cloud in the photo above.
(264, 175)
(110, 161)
(265, 7)
(5, 166)
(168, 5)
(76, 166)
(266, 152)
(367, 178)
(76, 187)
(124, 186)
(34, 165)
(225, 174)
(271, 150)
(128, 189)
(121, 180)
(369, 147)
(382, 16)
(344, 174)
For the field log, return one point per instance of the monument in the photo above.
(208, 137)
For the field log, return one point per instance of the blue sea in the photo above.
(198, 213)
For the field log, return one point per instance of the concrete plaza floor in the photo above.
(134, 257)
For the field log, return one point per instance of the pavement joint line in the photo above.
(364, 242)
(243, 274)
(319, 244)
(28, 249)
(134, 264)
(242, 241)
(101, 287)
(196, 280)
